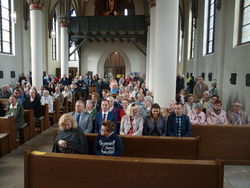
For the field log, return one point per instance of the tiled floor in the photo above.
(12, 165)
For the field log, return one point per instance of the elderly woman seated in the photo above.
(217, 115)
(197, 116)
(47, 99)
(237, 116)
(70, 138)
(155, 124)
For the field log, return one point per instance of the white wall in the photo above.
(93, 56)
(227, 58)
(20, 60)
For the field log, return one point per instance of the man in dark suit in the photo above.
(65, 80)
(104, 115)
(178, 123)
(84, 119)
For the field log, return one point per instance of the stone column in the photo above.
(147, 57)
(152, 46)
(64, 47)
(36, 20)
(165, 65)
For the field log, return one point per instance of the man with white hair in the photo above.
(5, 93)
(237, 116)
(47, 99)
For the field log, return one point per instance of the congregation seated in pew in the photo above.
(155, 124)
(84, 119)
(33, 102)
(70, 138)
(178, 123)
(132, 122)
(47, 99)
(107, 142)
(217, 116)
(197, 116)
(236, 116)
(16, 110)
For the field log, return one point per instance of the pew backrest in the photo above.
(228, 142)
(155, 147)
(29, 118)
(71, 170)
(7, 125)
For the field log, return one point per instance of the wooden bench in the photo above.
(45, 114)
(71, 170)
(24, 134)
(155, 147)
(57, 110)
(229, 142)
(7, 125)
(4, 144)
(29, 118)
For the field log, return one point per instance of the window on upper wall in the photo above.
(244, 33)
(53, 36)
(211, 10)
(74, 56)
(5, 27)
(209, 27)
(192, 41)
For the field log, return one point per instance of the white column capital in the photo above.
(36, 4)
(64, 22)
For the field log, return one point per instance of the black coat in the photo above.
(77, 142)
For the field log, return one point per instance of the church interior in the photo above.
(159, 40)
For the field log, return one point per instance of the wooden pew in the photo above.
(24, 134)
(4, 144)
(65, 105)
(57, 110)
(155, 147)
(71, 170)
(29, 118)
(229, 142)
(45, 113)
(92, 89)
(7, 125)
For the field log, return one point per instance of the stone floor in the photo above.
(12, 165)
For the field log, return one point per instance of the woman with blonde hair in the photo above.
(70, 138)
(132, 122)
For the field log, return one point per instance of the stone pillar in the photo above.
(36, 20)
(147, 57)
(64, 47)
(152, 46)
(165, 65)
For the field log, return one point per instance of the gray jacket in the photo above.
(86, 122)
(161, 127)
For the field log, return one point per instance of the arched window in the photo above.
(5, 27)
(54, 36)
(74, 56)
(210, 12)
(244, 34)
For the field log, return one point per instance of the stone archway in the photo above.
(114, 64)
(102, 60)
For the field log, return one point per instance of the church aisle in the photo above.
(12, 165)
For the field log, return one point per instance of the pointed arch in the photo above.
(103, 57)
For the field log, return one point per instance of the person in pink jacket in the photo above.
(217, 115)
(197, 116)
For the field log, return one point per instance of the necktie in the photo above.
(78, 118)
(104, 117)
